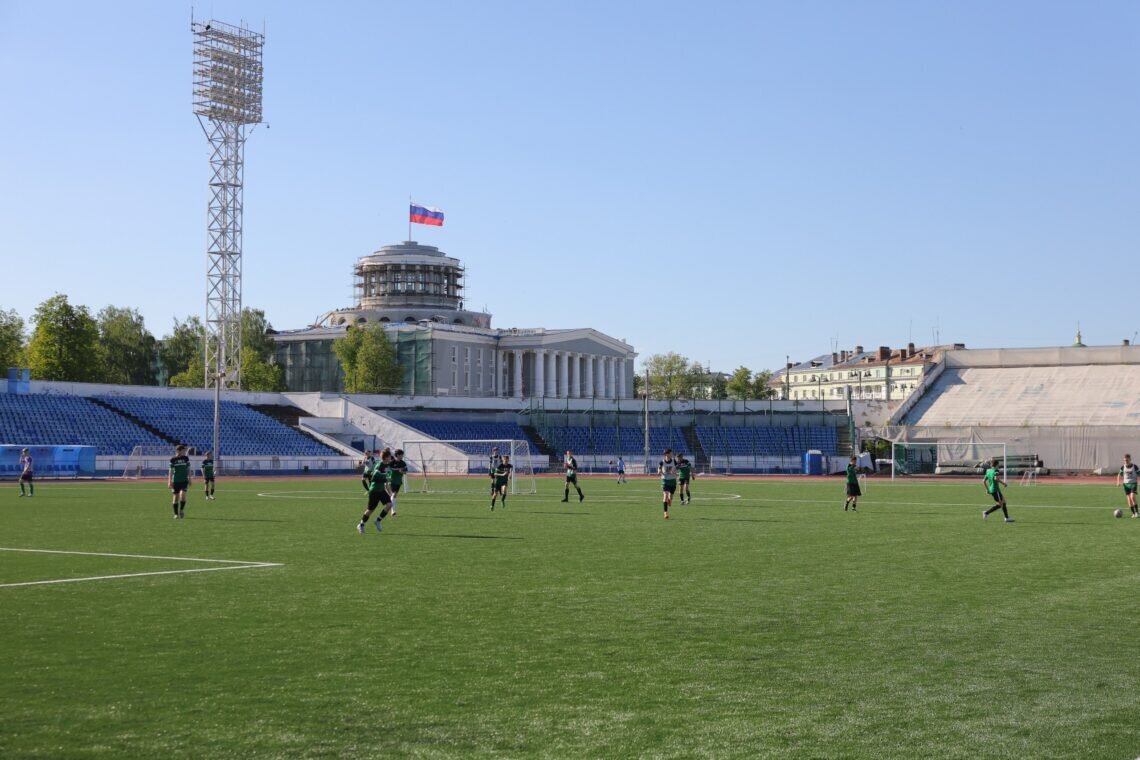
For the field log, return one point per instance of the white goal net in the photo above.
(969, 458)
(463, 466)
(149, 461)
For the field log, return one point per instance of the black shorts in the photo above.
(997, 496)
(669, 486)
(179, 487)
(572, 479)
(379, 496)
(853, 489)
(26, 477)
(394, 489)
(209, 479)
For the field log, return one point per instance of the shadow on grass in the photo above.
(533, 512)
(737, 519)
(236, 519)
(458, 535)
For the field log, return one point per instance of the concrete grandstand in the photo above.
(1075, 409)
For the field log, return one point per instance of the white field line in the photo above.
(230, 564)
(312, 495)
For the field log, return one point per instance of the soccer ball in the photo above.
(1118, 513)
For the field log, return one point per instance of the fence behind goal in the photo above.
(432, 460)
(947, 458)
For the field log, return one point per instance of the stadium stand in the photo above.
(995, 396)
(767, 441)
(56, 419)
(448, 430)
(613, 441)
(1072, 409)
(191, 421)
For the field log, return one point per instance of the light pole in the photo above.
(217, 378)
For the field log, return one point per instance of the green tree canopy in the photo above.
(256, 336)
(258, 372)
(670, 376)
(369, 361)
(127, 347)
(740, 384)
(65, 343)
(762, 385)
(181, 351)
(11, 339)
(182, 354)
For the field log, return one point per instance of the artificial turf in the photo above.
(760, 621)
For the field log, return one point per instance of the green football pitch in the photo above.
(760, 621)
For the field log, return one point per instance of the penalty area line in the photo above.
(229, 564)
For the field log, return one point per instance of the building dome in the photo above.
(408, 282)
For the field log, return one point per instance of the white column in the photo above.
(588, 391)
(575, 375)
(551, 373)
(610, 377)
(600, 378)
(563, 374)
(539, 374)
(518, 355)
(621, 378)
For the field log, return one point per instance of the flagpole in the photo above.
(409, 218)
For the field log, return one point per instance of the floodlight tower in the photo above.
(228, 76)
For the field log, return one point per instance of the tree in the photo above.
(740, 384)
(718, 391)
(762, 385)
(258, 372)
(670, 376)
(182, 350)
(11, 339)
(127, 347)
(256, 336)
(257, 375)
(65, 343)
(183, 358)
(638, 386)
(369, 361)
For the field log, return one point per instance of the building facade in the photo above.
(415, 293)
(882, 375)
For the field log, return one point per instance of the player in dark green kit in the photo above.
(853, 491)
(501, 481)
(208, 475)
(993, 483)
(178, 480)
(572, 477)
(684, 474)
(397, 469)
(377, 493)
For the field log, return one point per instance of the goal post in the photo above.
(432, 460)
(149, 461)
(932, 458)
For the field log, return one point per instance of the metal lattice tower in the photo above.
(228, 76)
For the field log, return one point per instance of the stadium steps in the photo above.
(290, 416)
(141, 423)
(843, 441)
(700, 458)
(539, 442)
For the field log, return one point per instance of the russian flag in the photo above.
(426, 215)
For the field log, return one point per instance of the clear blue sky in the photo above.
(732, 181)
